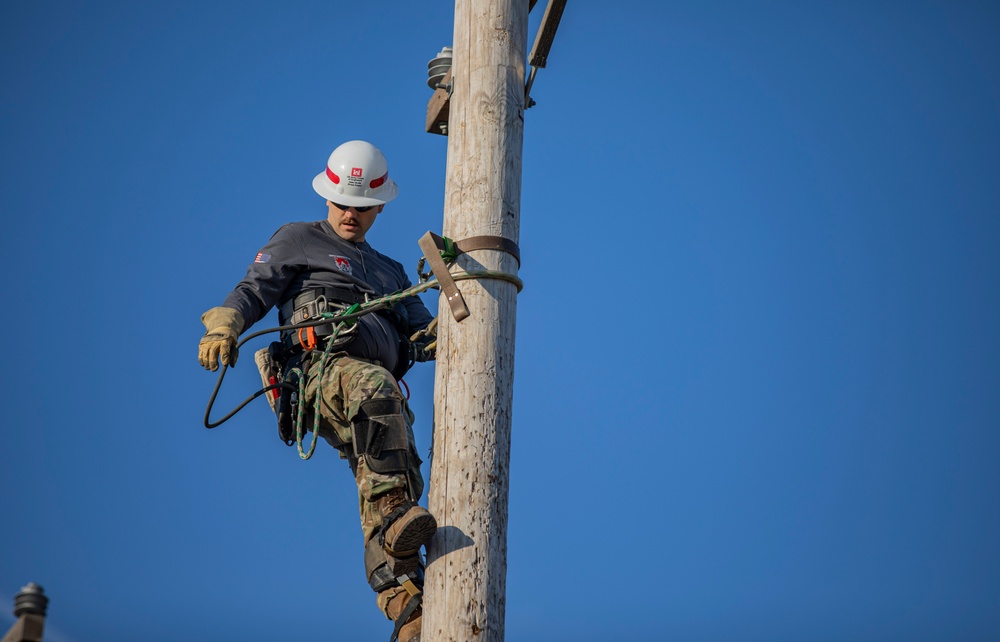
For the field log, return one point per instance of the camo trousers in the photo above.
(347, 382)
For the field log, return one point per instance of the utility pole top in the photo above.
(30, 606)
(31, 599)
(440, 73)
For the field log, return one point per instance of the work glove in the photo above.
(423, 343)
(223, 327)
(423, 351)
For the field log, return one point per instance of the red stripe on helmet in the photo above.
(333, 177)
(379, 181)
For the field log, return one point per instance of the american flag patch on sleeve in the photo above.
(262, 258)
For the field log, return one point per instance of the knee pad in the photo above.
(379, 432)
(385, 571)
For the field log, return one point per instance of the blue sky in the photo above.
(757, 357)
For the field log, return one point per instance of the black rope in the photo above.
(294, 326)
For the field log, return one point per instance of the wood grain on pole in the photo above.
(28, 628)
(465, 587)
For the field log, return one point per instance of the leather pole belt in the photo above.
(433, 246)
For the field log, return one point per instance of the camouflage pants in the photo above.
(347, 383)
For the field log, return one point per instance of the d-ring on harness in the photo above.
(438, 249)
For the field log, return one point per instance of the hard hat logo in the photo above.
(344, 181)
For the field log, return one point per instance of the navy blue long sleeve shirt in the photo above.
(301, 256)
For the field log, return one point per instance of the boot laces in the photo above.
(393, 501)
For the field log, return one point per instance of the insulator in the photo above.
(31, 599)
(438, 67)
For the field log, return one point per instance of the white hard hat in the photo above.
(356, 174)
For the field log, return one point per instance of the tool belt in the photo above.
(288, 399)
(274, 363)
(310, 305)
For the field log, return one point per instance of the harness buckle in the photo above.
(309, 342)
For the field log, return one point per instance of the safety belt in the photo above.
(433, 246)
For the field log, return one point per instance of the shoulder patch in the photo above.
(262, 258)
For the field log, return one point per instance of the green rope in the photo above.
(300, 414)
(489, 274)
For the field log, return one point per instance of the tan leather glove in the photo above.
(224, 326)
(423, 343)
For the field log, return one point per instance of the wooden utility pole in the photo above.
(465, 585)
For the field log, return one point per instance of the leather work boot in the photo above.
(410, 631)
(409, 526)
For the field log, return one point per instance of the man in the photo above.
(310, 268)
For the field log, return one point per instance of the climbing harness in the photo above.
(439, 252)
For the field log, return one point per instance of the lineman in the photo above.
(309, 268)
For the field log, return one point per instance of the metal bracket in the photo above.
(437, 107)
(543, 43)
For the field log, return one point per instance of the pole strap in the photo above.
(414, 603)
(428, 244)
(489, 243)
(434, 246)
